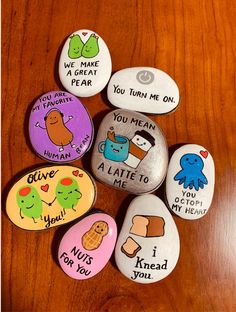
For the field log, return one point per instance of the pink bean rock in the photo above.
(87, 246)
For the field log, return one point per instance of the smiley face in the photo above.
(116, 147)
(68, 193)
(29, 201)
(53, 118)
(91, 47)
(141, 142)
(75, 47)
(100, 227)
(117, 150)
(191, 161)
(57, 132)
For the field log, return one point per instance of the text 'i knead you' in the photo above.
(50, 196)
(87, 246)
(85, 63)
(148, 246)
(60, 127)
(190, 181)
(130, 152)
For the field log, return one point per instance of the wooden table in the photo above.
(194, 42)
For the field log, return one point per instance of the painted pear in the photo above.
(91, 47)
(75, 47)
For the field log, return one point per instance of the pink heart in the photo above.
(204, 153)
(45, 187)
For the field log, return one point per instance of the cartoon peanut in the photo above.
(93, 238)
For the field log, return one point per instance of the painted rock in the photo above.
(50, 196)
(148, 246)
(190, 181)
(88, 245)
(130, 152)
(60, 127)
(85, 63)
(143, 89)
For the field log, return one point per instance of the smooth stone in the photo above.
(148, 245)
(190, 181)
(143, 89)
(60, 127)
(130, 152)
(87, 246)
(50, 196)
(85, 63)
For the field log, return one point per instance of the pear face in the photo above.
(91, 47)
(75, 47)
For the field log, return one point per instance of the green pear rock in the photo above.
(29, 202)
(67, 193)
(75, 47)
(91, 47)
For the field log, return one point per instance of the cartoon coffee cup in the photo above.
(115, 147)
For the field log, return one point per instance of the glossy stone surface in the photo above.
(60, 127)
(190, 181)
(87, 246)
(143, 89)
(130, 152)
(85, 63)
(148, 246)
(50, 196)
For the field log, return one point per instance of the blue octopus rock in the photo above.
(191, 174)
(190, 181)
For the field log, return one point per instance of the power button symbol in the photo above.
(145, 77)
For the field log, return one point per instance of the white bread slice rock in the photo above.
(130, 248)
(147, 226)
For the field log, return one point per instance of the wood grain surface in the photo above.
(194, 42)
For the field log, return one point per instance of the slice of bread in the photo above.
(147, 226)
(130, 247)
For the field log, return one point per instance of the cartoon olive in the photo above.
(29, 202)
(67, 193)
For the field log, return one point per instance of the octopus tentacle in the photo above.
(195, 182)
(180, 175)
(187, 182)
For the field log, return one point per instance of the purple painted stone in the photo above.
(60, 127)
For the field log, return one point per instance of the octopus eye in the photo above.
(137, 139)
(33, 196)
(187, 159)
(144, 143)
(102, 230)
(97, 226)
(195, 160)
(22, 201)
(121, 147)
(112, 146)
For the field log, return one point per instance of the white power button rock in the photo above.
(145, 77)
